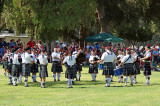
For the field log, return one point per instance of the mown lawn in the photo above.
(84, 92)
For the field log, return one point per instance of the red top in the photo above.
(31, 44)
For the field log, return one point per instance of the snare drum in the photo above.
(118, 72)
(100, 66)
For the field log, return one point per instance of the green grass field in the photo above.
(84, 92)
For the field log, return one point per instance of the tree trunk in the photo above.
(102, 17)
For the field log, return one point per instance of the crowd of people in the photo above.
(112, 59)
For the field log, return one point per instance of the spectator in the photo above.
(12, 44)
(31, 43)
(97, 47)
(155, 55)
(19, 43)
(3, 45)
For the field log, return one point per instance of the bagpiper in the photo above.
(26, 65)
(43, 61)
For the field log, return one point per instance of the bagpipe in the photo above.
(81, 58)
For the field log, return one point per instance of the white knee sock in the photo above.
(106, 81)
(71, 82)
(59, 75)
(10, 79)
(95, 77)
(125, 80)
(79, 75)
(119, 78)
(76, 76)
(20, 78)
(54, 75)
(131, 78)
(68, 82)
(109, 81)
(26, 80)
(92, 76)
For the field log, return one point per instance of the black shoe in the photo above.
(131, 84)
(92, 80)
(58, 79)
(26, 85)
(108, 86)
(34, 81)
(15, 85)
(79, 79)
(54, 80)
(71, 87)
(111, 80)
(76, 79)
(10, 83)
(119, 81)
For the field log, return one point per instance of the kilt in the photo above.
(108, 68)
(79, 67)
(26, 69)
(5, 63)
(128, 69)
(56, 66)
(20, 67)
(15, 71)
(43, 71)
(147, 68)
(34, 68)
(71, 72)
(137, 68)
(9, 67)
(93, 68)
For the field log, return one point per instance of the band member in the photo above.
(9, 67)
(136, 65)
(34, 66)
(43, 61)
(5, 61)
(78, 65)
(26, 62)
(147, 64)
(15, 65)
(128, 68)
(108, 69)
(20, 66)
(119, 58)
(70, 62)
(93, 67)
(56, 66)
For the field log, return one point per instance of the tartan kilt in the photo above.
(43, 71)
(128, 69)
(71, 72)
(93, 68)
(9, 67)
(5, 63)
(15, 71)
(79, 67)
(56, 66)
(26, 69)
(137, 68)
(34, 68)
(147, 68)
(108, 68)
(20, 67)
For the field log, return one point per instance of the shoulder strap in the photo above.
(127, 59)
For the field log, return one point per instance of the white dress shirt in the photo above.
(54, 54)
(43, 59)
(130, 60)
(26, 58)
(70, 61)
(108, 56)
(15, 59)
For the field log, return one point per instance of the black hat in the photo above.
(27, 49)
(16, 49)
